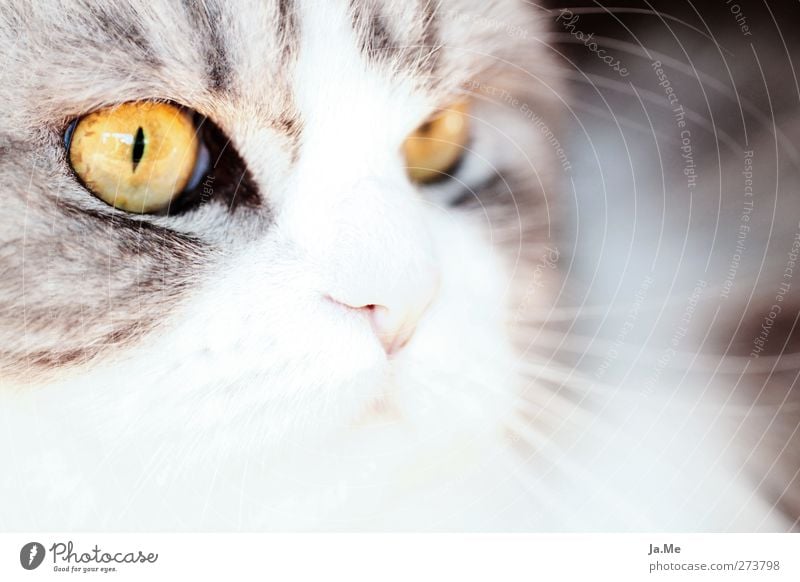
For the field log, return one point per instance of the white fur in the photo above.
(260, 404)
(266, 405)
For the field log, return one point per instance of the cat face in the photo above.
(307, 283)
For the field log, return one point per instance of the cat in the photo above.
(309, 339)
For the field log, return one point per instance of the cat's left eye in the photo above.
(435, 148)
(138, 156)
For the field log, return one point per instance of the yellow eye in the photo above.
(435, 147)
(136, 156)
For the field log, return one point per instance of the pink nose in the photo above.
(393, 329)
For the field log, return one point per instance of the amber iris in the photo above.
(438, 144)
(138, 156)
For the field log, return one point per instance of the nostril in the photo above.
(368, 308)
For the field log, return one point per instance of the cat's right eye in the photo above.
(138, 156)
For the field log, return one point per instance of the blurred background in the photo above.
(681, 231)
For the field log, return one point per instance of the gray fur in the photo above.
(80, 279)
(82, 283)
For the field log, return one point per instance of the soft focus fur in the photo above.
(188, 372)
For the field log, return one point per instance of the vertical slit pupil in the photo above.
(138, 147)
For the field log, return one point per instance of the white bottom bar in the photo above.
(402, 557)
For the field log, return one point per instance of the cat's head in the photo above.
(305, 276)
